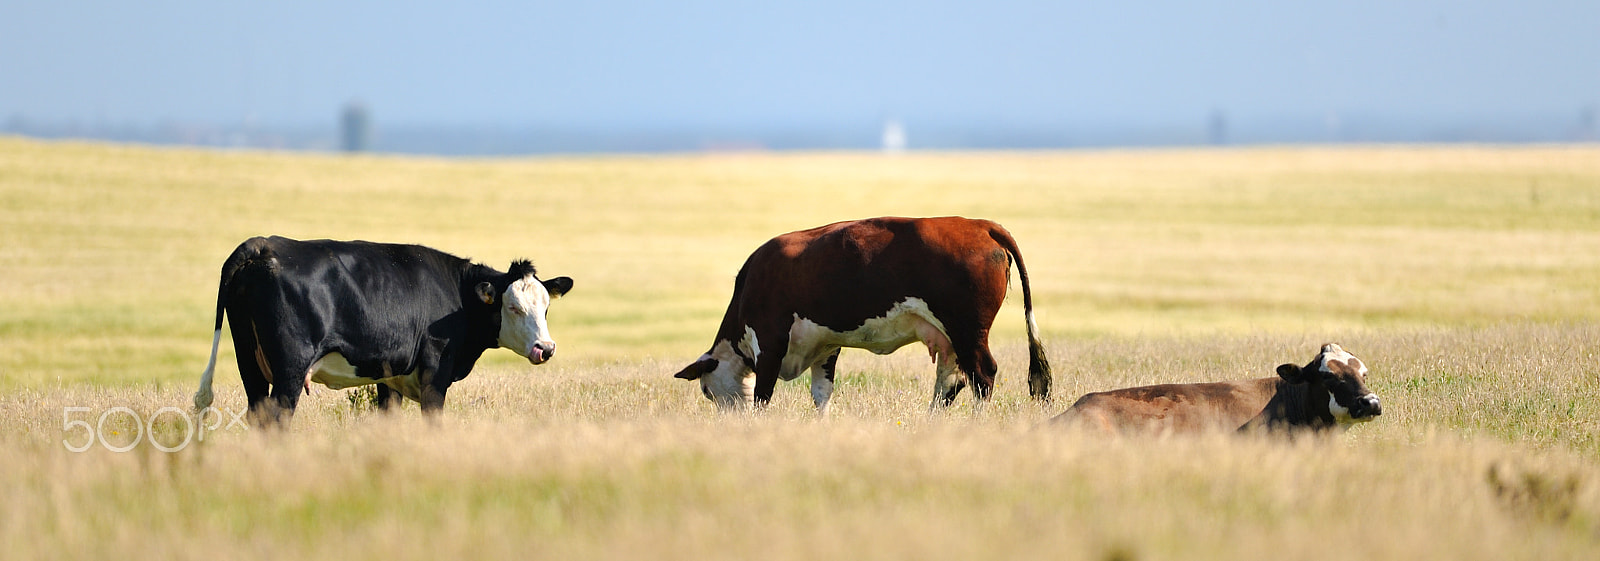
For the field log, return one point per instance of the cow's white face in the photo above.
(523, 327)
(725, 378)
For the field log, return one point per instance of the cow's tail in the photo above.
(1038, 363)
(240, 257)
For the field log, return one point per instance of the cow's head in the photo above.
(1342, 378)
(524, 301)
(727, 372)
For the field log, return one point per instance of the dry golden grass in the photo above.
(620, 461)
(1465, 276)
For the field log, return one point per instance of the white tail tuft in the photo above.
(202, 397)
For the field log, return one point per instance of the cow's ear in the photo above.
(1291, 373)
(558, 286)
(485, 292)
(699, 368)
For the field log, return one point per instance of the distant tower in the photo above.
(894, 137)
(355, 127)
(1217, 128)
(1588, 129)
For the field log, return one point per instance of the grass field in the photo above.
(1465, 276)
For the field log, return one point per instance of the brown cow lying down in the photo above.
(1329, 392)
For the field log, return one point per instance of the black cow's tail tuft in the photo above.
(1038, 363)
(242, 255)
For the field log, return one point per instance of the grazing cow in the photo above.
(1329, 392)
(876, 284)
(344, 314)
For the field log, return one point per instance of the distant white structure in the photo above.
(894, 137)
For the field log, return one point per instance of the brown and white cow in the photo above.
(876, 284)
(1328, 392)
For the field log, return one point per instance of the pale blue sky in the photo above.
(814, 63)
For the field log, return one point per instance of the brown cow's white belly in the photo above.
(906, 322)
(336, 372)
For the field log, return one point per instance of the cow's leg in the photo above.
(767, 367)
(387, 398)
(766, 382)
(947, 381)
(251, 362)
(289, 371)
(976, 364)
(773, 341)
(435, 385)
(983, 371)
(433, 399)
(822, 382)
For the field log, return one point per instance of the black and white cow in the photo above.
(352, 313)
(876, 284)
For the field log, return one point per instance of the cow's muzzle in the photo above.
(541, 352)
(1366, 407)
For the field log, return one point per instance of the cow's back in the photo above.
(830, 274)
(335, 287)
(1171, 408)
